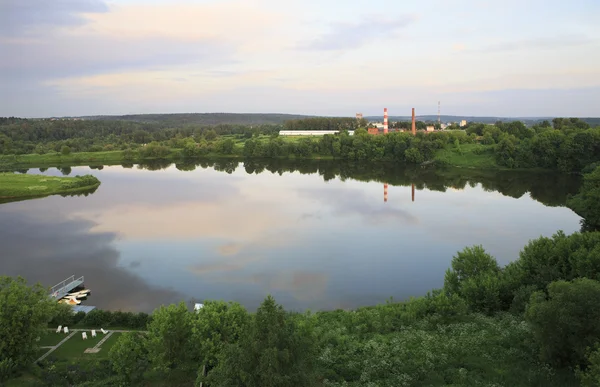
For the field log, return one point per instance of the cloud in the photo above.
(533, 44)
(48, 249)
(79, 56)
(345, 36)
(230, 249)
(34, 17)
(344, 202)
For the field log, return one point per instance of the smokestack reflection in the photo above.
(385, 192)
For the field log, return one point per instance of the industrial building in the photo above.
(310, 132)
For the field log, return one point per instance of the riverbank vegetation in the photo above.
(532, 322)
(566, 145)
(21, 186)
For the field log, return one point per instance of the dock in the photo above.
(63, 288)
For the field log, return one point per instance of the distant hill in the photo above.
(203, 118)
(179, 119)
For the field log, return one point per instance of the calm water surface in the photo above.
(146, 238)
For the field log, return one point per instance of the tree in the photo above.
(210, 135)
(565, 323)
(587, 202)
(274, 351)
(129, 357)
(169, 335)
(24, 315)
(218, 324)
(590, 375)
(475, 277)
(65, 150)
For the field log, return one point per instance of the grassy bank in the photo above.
(468, 156)
(17, 186)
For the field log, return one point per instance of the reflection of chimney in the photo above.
(385, 121)
(413, 192)
(385, 186)
(414, 125)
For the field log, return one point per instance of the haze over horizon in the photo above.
(513, 58)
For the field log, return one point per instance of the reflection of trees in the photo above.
(155, 165)
(64, 195)
(66, 171)
(548, 188)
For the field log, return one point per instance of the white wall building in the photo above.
(310, 132)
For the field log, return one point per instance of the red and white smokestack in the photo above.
(385, 187)
(385, 121)
(413, 192)
(414, 124)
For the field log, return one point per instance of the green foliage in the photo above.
(475, 277)
(274, 351)
(587, 202)
(482, 351)
(590, 375)
(560, 257)
(565, 323)
(169, 333)
(24, 314)
(129, 357)
(217, 325)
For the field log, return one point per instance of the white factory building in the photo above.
(310, 132)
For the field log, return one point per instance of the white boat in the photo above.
(69, 300)
(80, 294)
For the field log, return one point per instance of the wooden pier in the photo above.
(63, 288)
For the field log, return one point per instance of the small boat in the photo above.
(80, 294)
(69, 300)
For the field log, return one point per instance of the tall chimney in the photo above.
(414, 124)
(413, 192)
(385, 121)
(385, 187)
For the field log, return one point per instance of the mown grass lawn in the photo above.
(74, 348)
(14, 185)
(51, 339)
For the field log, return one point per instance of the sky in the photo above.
(520, 58)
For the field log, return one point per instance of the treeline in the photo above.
(532, 322)
(566, 144)
(325, 123)
(99, 319)
(399, 147)
(179, 119)
(23, 136)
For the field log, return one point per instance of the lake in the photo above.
(315, 235)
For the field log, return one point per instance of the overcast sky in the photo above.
(326, 57)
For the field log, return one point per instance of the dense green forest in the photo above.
(533, 322)
(203, 118)
(567, 145)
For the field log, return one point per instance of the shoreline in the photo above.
(443, 158)
(17, 187)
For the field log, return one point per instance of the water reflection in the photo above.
(45, 247)
(314, 234)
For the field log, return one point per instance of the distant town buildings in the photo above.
(463, 123)
(359, 116)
